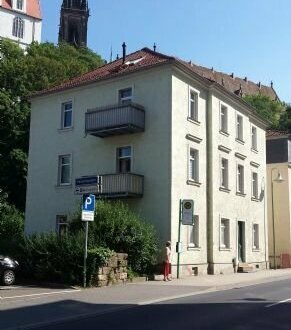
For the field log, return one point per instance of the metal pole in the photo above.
(85, 256)
(273, 218)
(179, 239)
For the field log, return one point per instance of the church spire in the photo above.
(74, 22)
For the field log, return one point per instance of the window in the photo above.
(65, 170)
(18, 27)
(19, 4)
(223, 119)
(193, 233)
(256, 244)
(124, 160)
(125, 96)
(193, 106)
(61, 225)
(239, 127)
(240, 179)
(224, 234)
(255, 190)
(224, 173)
(67, 114)
(254, 138)
(194, 165)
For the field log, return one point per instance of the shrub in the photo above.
(119, 229)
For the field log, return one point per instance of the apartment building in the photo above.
(279, 204)
(154, 130)
(20, 21)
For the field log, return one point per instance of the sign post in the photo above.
(186, 217)
(88, 209)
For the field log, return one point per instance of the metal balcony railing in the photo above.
(115, 120)
(120, 185)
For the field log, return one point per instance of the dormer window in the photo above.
(19, 4)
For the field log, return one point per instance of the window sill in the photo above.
(240, 141)
(255, 150)
(194, 183)
(224, 248)
(255, 199)
(240, 194)
(67, 129)
(224, 189)
(256, 250)
(224, 133)
(64, 186)
(194, 248)
(193, 121)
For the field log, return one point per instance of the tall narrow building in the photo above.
(74, 22)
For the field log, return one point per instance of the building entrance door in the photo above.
(241, 241)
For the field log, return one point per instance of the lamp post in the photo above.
(279, 179)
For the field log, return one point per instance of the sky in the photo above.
(251, 38)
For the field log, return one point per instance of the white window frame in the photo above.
(125, 157)
(240, 179)
(223, 119)
(193, 234)
(60, 169)
(239, 127)
(224, 173)
(254, 137)
(19, 2)
(255, 185)
(224, 233)
(18, 27)
(193, 163)
(64, 112)
(193, 114)
(61, 221)
(127, 99)
(256, 236)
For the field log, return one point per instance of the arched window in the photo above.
(18, 27)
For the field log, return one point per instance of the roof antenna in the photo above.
(111, 54)
(155, 47)
(272, 84)
(123, 52)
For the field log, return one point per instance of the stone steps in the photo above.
(245, 268)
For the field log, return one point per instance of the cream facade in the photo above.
(279, 203)
(18, 25)
(178, 152)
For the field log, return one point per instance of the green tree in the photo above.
(267, 108)
(285, 119)
(21, 74)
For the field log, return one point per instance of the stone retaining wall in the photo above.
(114, 272)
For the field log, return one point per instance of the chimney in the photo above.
(232, 75)
(260, 85)
(123, 52)
(246, 79)
(212, 69)
(272, 84)
(155, 47)
(117, 57)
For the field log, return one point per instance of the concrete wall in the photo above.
(229, 204)
(92, 155)
(32, 27)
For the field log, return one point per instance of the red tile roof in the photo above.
(32, 7)
(276, 133)
(146, 58)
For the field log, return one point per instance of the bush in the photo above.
(119, 229)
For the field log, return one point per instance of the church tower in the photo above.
(74, 22)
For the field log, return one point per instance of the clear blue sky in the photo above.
(248, 37)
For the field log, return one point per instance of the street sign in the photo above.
(88, 207)
(187, 214)
(88, 185)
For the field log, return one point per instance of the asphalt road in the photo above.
(264, 306)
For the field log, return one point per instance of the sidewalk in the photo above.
(31, 311)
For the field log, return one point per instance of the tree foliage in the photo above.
(21, 74)
(267, 108)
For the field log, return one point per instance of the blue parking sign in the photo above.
(88, 203)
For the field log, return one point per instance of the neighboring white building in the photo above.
(156, 130)
(20, 21)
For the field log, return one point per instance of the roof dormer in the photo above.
(19, 5)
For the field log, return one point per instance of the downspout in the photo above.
(209, 177)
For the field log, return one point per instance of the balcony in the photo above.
(122, 185)
(115, 120)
